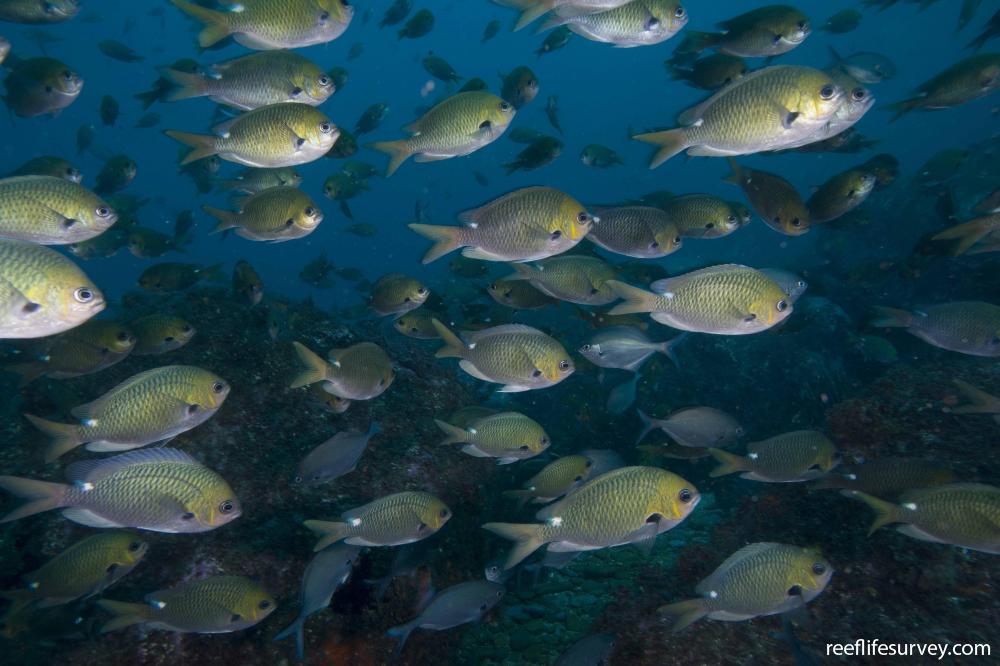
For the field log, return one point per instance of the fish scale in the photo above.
(83, 568)
(629, 24)
(702, 215)
(450, 127)
(510, 357)
(274, 24)
(520, 222)
(38, 208)
(576, 279)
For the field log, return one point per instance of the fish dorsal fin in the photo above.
(692, 115)
(92, 471)
(94, 408)
(506, 329)
(669, 284)
(744, 553)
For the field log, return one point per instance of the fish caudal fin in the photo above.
(65, 436)
(296, 628)
(186, 84)
(453, 434)
(453, 346)
(685, 613)
(402, 633)
(729, 463)
(667, 348)
(736, 177)
(201, 145)
(526, 537)
(316, 367)
(446, 239)
(227, 218)
(891, 318)
(886, 513)
(125, 614)
(900, 109)
(636, 300)
(330, 532)
(648, 424)
(670, 142)
(398, 151)
(981, 402)
(42, 496)
(216, 25)
(967, 235)
(26, 372)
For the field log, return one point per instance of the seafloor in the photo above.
(806, 375)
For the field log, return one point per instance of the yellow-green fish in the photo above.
(643, 232)
(252, 181)
(86, 568)
(277, 214)
(888, 477)
(626, 505)
(703, 216)
(966, 327)
(961, 514)
(801, 455)
(554, 480)
(214, 605)
(37, 86)
(396, 293)
(51, 211)
(518, 294)
(42, 292)
(277, 135)
(728, 299)
(86, 349)
(574, 278)
(392, 520)
(631, 24)
(272, 24)
(173, 276)
(840, 195)
(49, 166)
(156, 489)
(255, 80)
(417, 324)
(966, 80)
(519, 357)
(38, 11)
(525, 225)
(507, 436)
(247, 283)
(152, 406)
(768, 109)
(459, 125)
(758, 579)
(360, 372)
(764, 32)
(775, 199)
(534, 9)
(160, 333)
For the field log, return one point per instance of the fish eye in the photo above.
(186, 328)
(444, 513)
(217, 387)
(103, 211)
(802, 25)
(414, 329)
(544, 441)
(796, 222)
(685, 495)
(589, 464)
(83, 295)
(819, 568)
(677, 240)
(134, 546)
(122, 336)
(801, 284)
(739, 432)
(858, 94)
(309, 211)
(505, 106)
(325, 128)
(264, 605)
(731, 218)
(227, 506)
(324, 80)
(585, 348)
(564, 364)
(582, 217)
(422, 290)
(68, 75)
(781, 306)
(827, 91)
(679, 12)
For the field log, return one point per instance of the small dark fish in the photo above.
(163, 86)
(473, 84)
(335, 457)
(339, 77)
(552, 112)
(247, 283)
(419, 25)
(540, 152)
(592, 650)
(115, 175)
(457, 605)
(118, 51)
(491, 30)
(555, 40)
(990, 31)
(370, 119)
(439, 68)
(357, 48)
(363, 229)
(109, 110)
(148, 120)
(346, 146)
(396, 12)
(480, 178)
(318, 272)
(843, 21)
(519, 87)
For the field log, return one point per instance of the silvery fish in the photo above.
(335, 457)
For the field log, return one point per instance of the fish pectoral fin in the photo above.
(430, 157)
(103, 446)
(88, 518)
(513, 388)
(471, 450)
(645, 537)
(558, 560)
(473, 370)
(479, 253)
